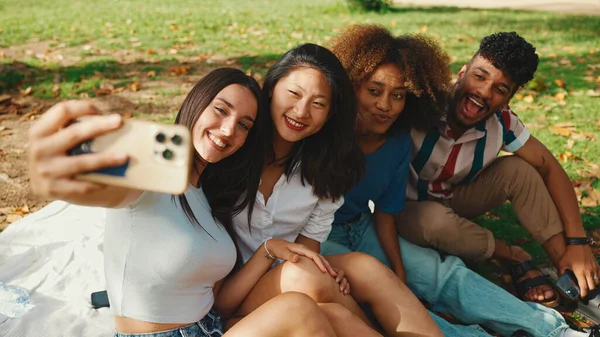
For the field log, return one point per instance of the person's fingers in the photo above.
(582, 281)
(60, 115)
(69, 166)
(343, 283)
(66, 139)
(590, 280)
(328, 266)
(66, 188)
(340, 275)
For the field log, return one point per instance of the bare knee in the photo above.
(337, 312)
(361, 268)
(295, 302)
(305, 277)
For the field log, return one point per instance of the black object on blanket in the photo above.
(100, 300)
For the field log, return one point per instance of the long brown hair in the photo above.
(230, 185)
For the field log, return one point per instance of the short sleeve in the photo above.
(514, 132)
(320, 220)
(392, 201)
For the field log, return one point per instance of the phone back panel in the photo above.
(159, 157)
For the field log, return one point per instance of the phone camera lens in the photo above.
(167, 154)
(176, 139)
(160, 137)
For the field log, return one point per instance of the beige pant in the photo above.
(445, 224)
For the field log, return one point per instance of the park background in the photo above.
(140, 58)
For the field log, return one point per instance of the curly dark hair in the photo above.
(363, 48)
(510, 53)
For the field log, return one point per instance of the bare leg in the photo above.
(396, 308)
(345, 323)
(290, 314)
(303, 277)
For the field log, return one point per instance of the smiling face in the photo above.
(223, 126)
(481, 89)
(300, 104)
(381, 99)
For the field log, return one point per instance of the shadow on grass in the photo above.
(87, 77)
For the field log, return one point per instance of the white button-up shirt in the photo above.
(291, 210)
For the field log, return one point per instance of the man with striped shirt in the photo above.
(456, 175)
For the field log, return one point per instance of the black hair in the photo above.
(510, 53)
(330, 160)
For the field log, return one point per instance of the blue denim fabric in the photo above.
(449, 286)
(209, 326)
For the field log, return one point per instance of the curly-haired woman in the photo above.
(402, 83)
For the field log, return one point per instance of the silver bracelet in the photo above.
(268, 255)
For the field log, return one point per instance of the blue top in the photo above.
(384, 182)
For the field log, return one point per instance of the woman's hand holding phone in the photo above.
(51, 169)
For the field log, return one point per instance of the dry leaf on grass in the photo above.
(561, 131)
(135, 86)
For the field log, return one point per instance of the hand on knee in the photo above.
(304, 277)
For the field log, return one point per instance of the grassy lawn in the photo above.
(74, 47)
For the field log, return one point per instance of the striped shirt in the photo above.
(440, 162)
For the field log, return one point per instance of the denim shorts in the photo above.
(209, 326)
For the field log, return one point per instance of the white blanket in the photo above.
(56, 254)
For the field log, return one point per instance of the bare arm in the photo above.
(388, 237)
(311, 244)
(234, 289)
(578, 258)
(557, 182)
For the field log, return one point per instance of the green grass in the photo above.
(255, 33)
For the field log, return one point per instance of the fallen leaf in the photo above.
(560, 130)
(6, 133)
(570, 143)
(179, 70)
(150, 51)
(528, 98)
(4, 98)
(151, 73)
(563, 157)
(135, 86)
(560, 96)
(423, 29)
(127, 115)
(560, 83)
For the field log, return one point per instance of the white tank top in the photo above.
(159, 266)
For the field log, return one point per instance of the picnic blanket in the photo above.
(56, 255)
